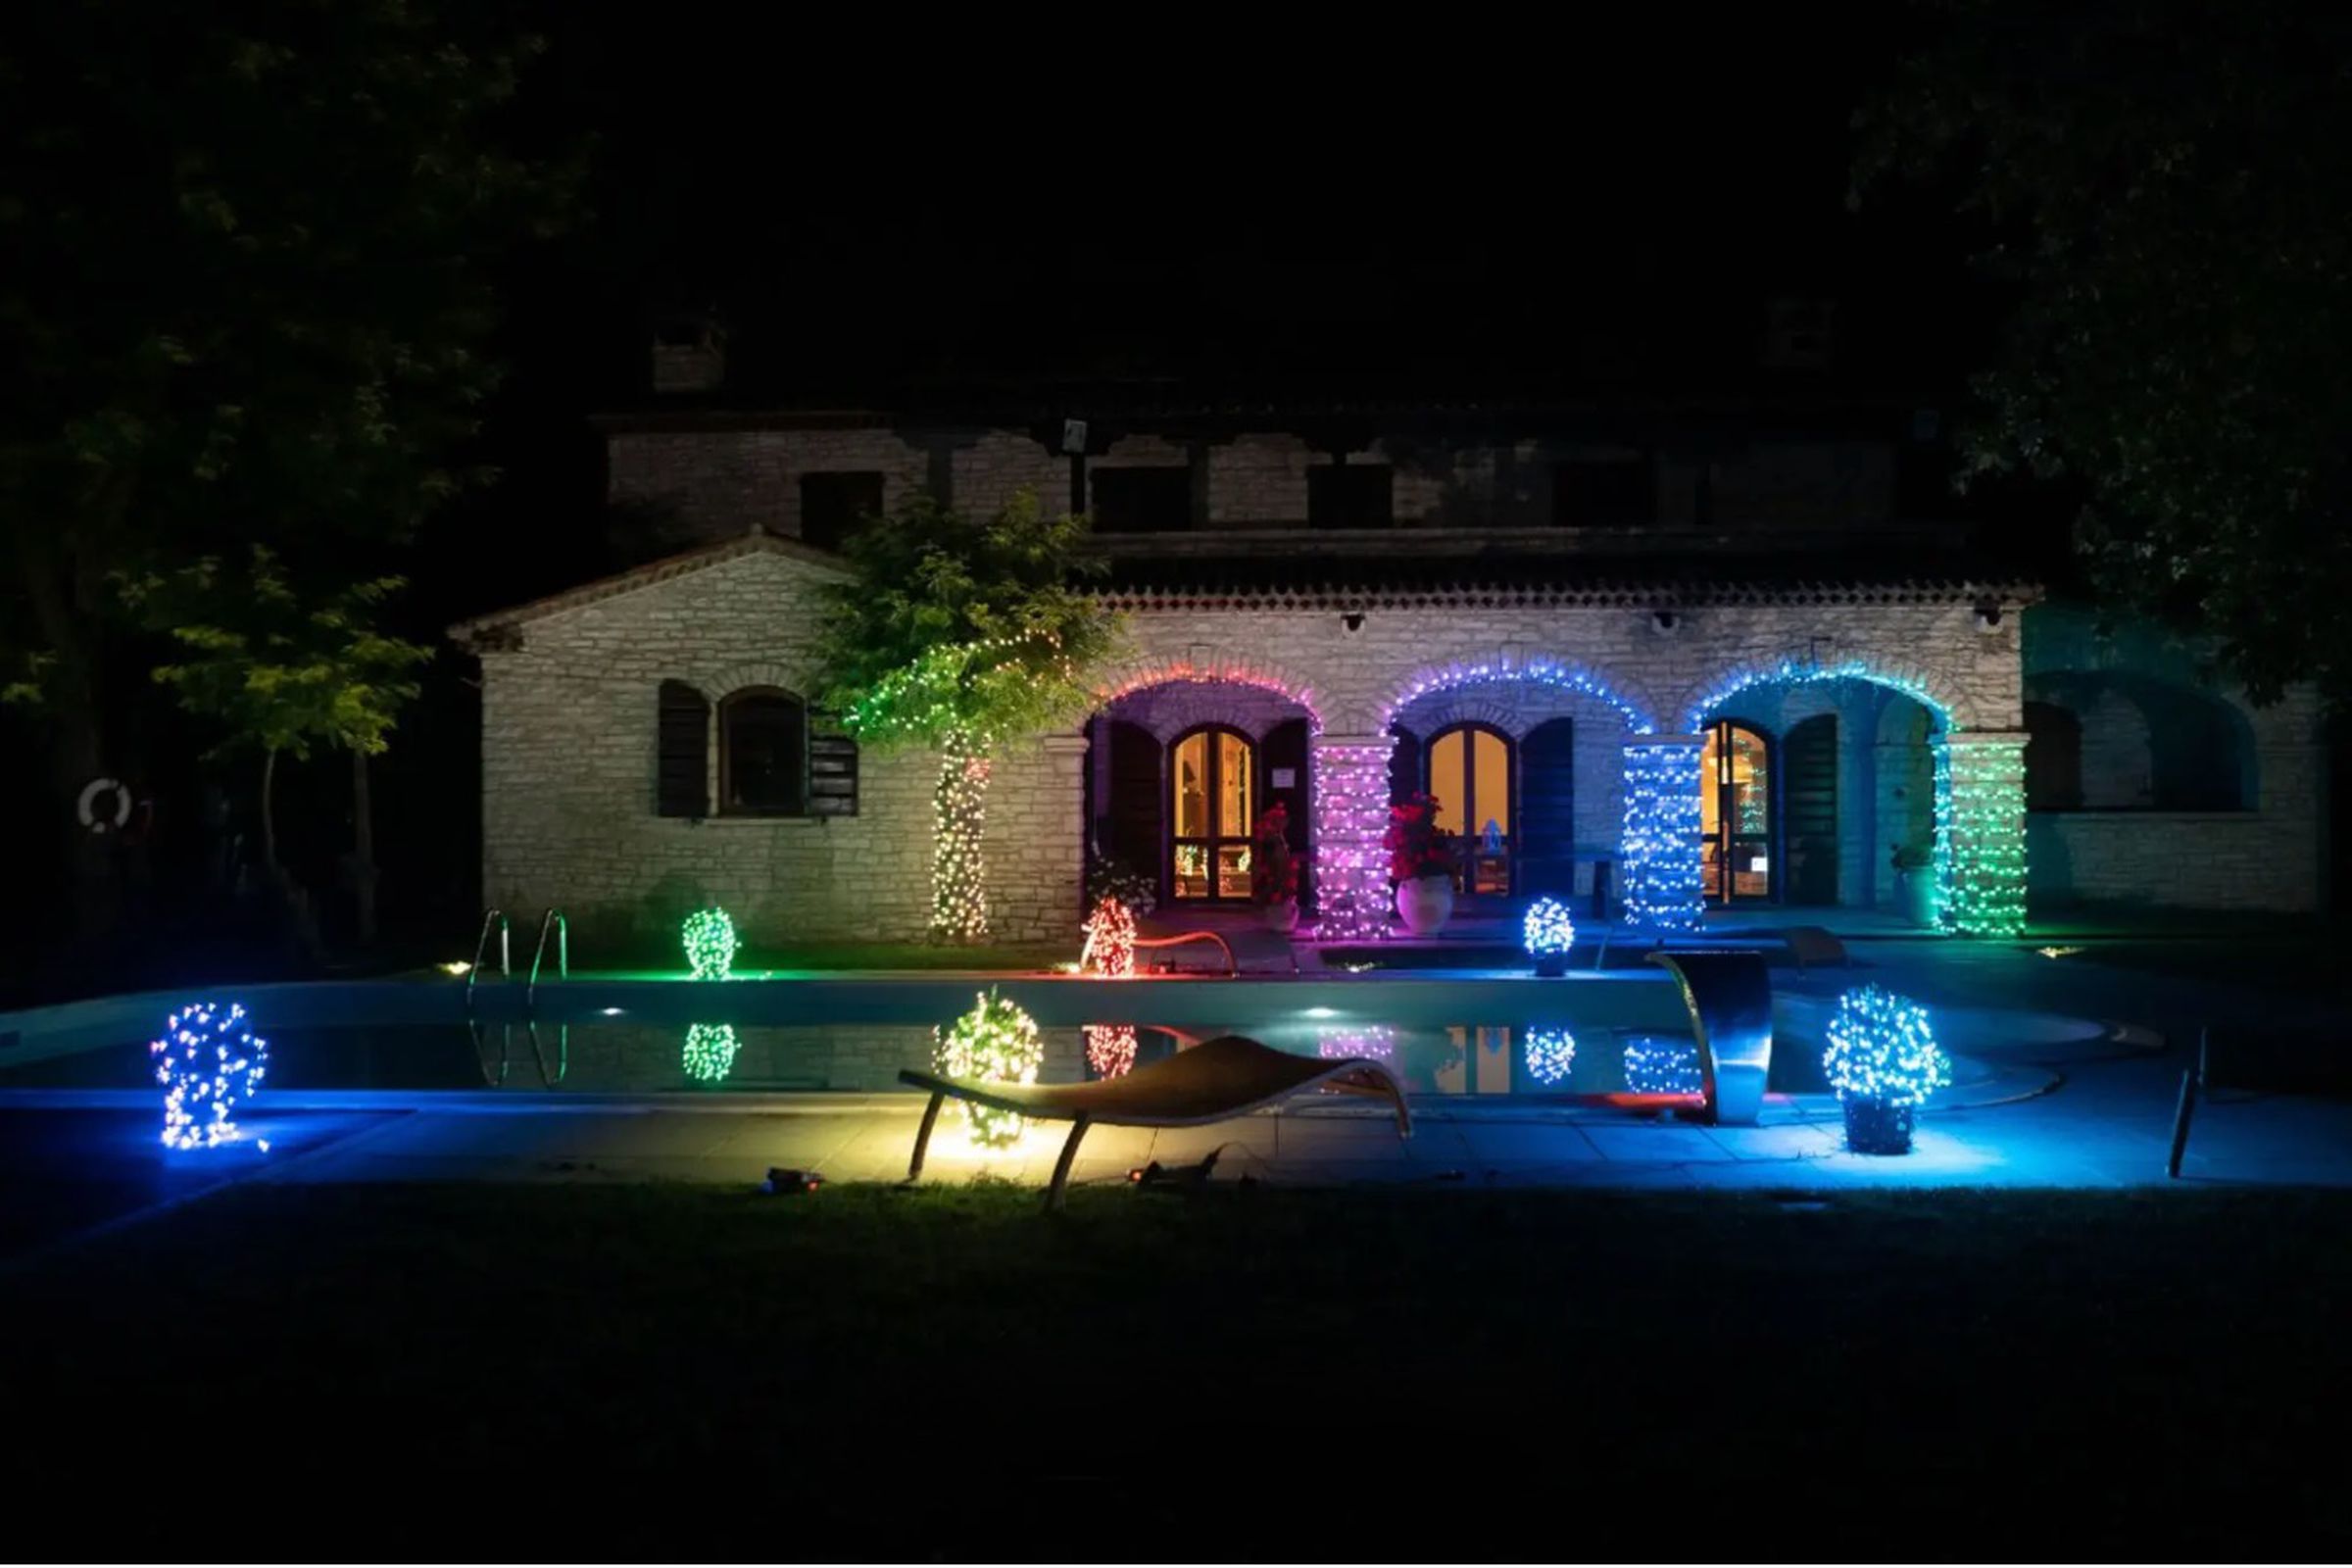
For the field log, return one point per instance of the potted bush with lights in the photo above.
(1915, 883)
(1420, 864)
(1274, 870)
(1884, 1062)
(1548, 933)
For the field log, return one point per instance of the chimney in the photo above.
(690, 353)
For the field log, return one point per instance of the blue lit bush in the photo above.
(1883, 1061)
(1550, 1056)
(208, 1061)
(1549, 933)
(1663, 1064)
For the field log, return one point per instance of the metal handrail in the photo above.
(480, 943)
(562, 929)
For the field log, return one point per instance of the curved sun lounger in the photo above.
(1217, 1079)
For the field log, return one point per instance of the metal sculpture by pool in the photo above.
(1730, 998)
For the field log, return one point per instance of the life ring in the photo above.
(87, 806)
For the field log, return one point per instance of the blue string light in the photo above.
(1662, 1064)
(208, 1061)
(1662, 883)
(1793, 673)
(1883, 1051)
(1536, 671)
(1549, 929)
(1551, 1056)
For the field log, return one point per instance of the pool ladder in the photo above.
(494, 1070)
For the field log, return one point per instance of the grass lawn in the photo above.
(582, 1372)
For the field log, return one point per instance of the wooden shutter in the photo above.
(1404, 764)
(682, 750)
(1286, 751)
(1133, 812)
(1809, 814)
(832, 776)
(1546, 824)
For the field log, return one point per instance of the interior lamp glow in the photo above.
(710, 944)
(710, 1051)
(1549, 932)
(994, 1043)
(208, 1061)
(1883, 1061)
(1551, 1056)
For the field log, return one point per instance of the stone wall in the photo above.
(696, 486)
(569, 770)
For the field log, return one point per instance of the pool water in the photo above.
(635, 1059)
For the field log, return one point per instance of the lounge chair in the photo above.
(1215, 1080)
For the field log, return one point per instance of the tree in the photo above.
(2164, 183)
(244, 299)
(283, 676)
(959, 635)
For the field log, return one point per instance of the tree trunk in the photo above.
(298, 903)
(960, 809)
(362, 848)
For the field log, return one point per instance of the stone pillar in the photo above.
(1351, 813)
(1659, 853)
(1980, 832)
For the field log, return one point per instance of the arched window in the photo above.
(763, 753)
(1735, 812)
(1469, 771)
(1213, 785)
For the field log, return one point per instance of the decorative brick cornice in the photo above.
(1614, 595)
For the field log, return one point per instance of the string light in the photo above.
(960, 809)
(1352, 812)
(1184, 669)
(1663, 1064)
(1340, 1045)
(710, 1051)
(1550, 1056)
(1883, 1051)
(1111, 1049)
(208, 1061)
(994, 1043)
(1798, 673)
(1549, 932)
(1110, 948)
(710, 944)
(1552, 672)
(1981, 834)
(1662, 883)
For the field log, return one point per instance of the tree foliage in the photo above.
(963, 627)
(281, 670)
(2164, 182)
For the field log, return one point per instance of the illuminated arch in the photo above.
(1562, 674)
(1207, 667)
(1909, 681)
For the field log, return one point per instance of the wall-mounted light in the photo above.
(1988, 616)
(1664, 621)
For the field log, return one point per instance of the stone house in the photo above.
(1659, 663)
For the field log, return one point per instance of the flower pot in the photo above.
(1283, 916)
(1551, 963)
(1915, 894)
(1874, 1128)
(1425, 904)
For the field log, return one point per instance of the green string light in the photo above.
(1981, 834)
(710, 1051)
(710, 944)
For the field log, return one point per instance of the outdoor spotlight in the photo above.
(1353, 621)
(1988, 616)
(1664, 621)
(781, 1180)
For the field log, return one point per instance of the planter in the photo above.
(1873, 1128)
(1551, 963)
(1915, 894)
(1283, 916)
(1425, 904)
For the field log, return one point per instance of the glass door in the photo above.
(1470, 774)
(1735, 814)
(1211, 775)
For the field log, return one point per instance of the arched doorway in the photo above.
(1736, 814)
(1213, 789)
(1469, 769)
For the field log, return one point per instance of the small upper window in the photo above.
(1157, 500)
(1350, 495)
(833, 505)
(1603, 493)
(763, 753)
